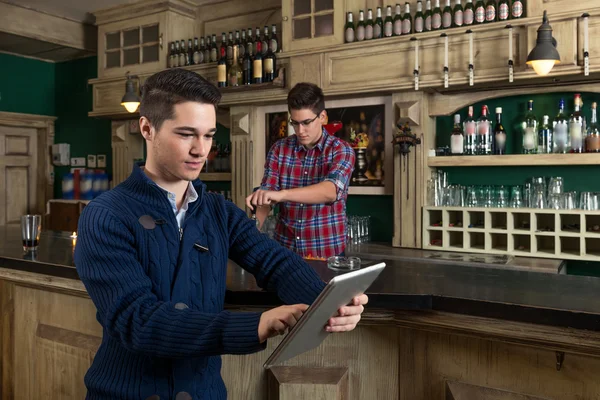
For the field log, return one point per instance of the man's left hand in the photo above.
(348, 316)
(264, 198)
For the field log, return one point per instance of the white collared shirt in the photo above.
(190, 196)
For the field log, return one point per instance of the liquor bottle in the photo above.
(406, 20)
(427, 16)
(257, 65)
(457, 139)
(560, 140)
(458, 19)
(479, 12)
(265, 41)
(214, 52)
(503, 10)
(242, 45)
(470, 129)
(545, 137)
(274, 43)
(388, 23)
(229, 49)
(469, 14)
(499, 134)
(419, 21)
(490, 11)
(247, 65)
(222, 70)
(447, 16)
(190, 55)
(576, 127)
(237, 43)
(349, 28)
(182, 54)
(484, 133)
(251, 41)
(530, 129)
(269, 66)
(197, 54)
(360, 27)
(436, 17)
(257, 40)
(206, 49)
(235, 77)
(517, 9)
(378, 26)
(398, 21)
(223, 48)
(369, 29)
(592, 140)
(172, 55)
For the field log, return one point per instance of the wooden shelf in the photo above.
(515, 160)
(215, 176)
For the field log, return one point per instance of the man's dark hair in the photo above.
(306, 95)
(163, 90)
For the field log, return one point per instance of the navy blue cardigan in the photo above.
(160, 299)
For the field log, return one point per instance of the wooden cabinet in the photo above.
(63, 215)
(309, 24)
(140, 44)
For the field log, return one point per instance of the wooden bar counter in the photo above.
(432, 330)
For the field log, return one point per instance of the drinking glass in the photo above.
(31, 226)
(569, 200)
(588, 201)
(516, 198)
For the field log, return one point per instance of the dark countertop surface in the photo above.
(406, 284)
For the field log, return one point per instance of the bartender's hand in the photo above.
(348, 316)
(264, 198)
(276, 321)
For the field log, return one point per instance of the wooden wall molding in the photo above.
(142, 8)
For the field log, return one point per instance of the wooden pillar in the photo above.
(410, 171)
(290, 383)
(242, 150)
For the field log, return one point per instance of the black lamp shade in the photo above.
(130, 95)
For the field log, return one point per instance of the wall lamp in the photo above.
(544, 55)
(131, 100)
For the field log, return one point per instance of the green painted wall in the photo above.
(73, 99)
(381, 210)
(27, 85)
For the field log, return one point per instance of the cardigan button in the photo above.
(183, 396)
(153, 397)
(181, 306)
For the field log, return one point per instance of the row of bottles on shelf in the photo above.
(219, 159)
(403, 23)
(207, 50)
(561, 135)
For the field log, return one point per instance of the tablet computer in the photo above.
(310, 331)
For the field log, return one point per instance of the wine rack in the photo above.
(559, 234)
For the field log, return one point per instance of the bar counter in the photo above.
(430, 319)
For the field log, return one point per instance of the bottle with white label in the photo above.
(499, 134)
(369, 27)
(490, 11)
(576, 127)
(427, 16)
(388, 23)
(530, 130)
(457, 139)
(378, 25)
(360, 27)
(398, 21)
(419, 21)
(479, 12)
(484, 133)
(406, 20)
(349, 28)
(436, 17)
(469, 13)
(503, 10)
(545, 137)
(447, 16)
(517, 9)
(470, 134)
(560, 126)
(458, 19)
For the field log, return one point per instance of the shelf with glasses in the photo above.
(515, 160)
(541, 233)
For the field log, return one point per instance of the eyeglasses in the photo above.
(306, 122)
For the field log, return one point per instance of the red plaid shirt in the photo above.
(315, 230)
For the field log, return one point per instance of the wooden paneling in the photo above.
(306, 69)
(290, 383)
(464, 391)
(18, 180)
(554, 7)
(242, 154)
(16, 146)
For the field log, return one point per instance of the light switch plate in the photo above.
(78, 162)
(101, 160)
(91, 161)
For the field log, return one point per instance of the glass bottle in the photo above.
(360, 27)
(592, 140)
(406, 20)
(436, 17)
(484, 133)
(427, 16)
(447, 16)
(545, 136)
(470, 133)
(499, 134)
(458, 19)
(576, 127)
(560, 140)
(469, 13)
(419, 20)
(457, 137)
(530, 130)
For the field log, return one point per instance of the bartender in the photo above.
(308, 174)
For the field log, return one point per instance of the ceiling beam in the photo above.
(48, 28)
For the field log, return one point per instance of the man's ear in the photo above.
(146, 128)
(323, 117)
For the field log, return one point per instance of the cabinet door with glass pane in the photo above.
(134, 45)
(312, 23)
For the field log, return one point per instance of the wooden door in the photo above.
(18, 171)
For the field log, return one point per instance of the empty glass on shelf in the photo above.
(359, 229)
(516, 198)
(589, 201)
